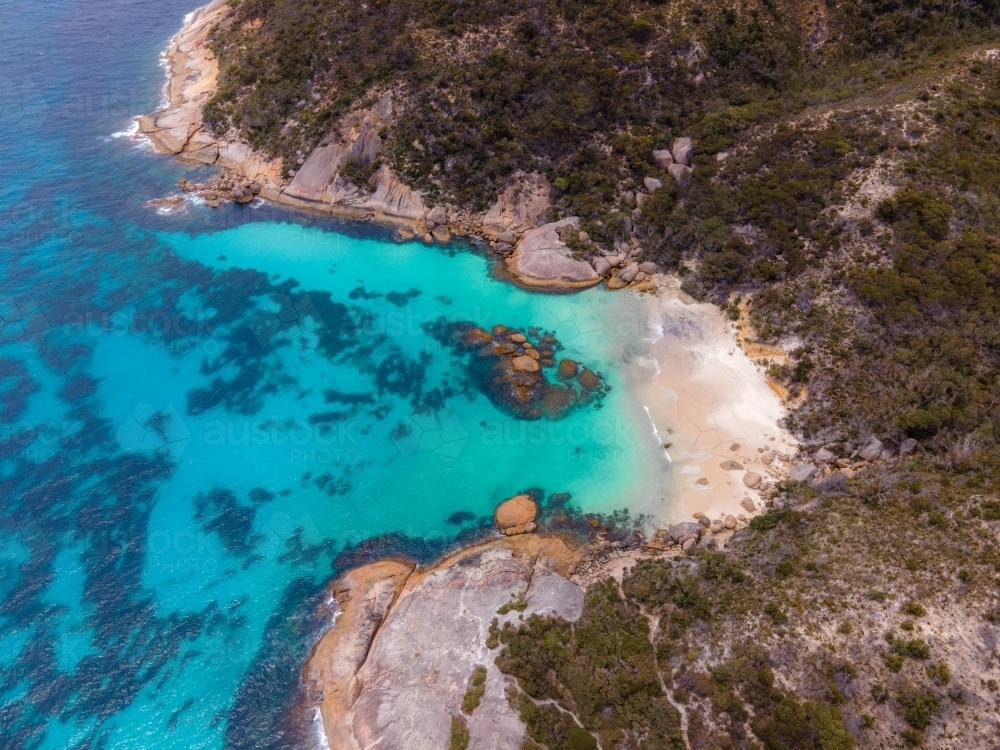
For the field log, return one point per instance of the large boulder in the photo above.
(752, 479)
(871, 451)
(516, 515)
(662, 158)
(437, 215)
(681, 174)
(683, 529)
(629, 272)
(652, 184)
(802, 472)
(835, 484)
(524, 363)
(683, 151)
(542, 259)
(601, 265)
(907, 446)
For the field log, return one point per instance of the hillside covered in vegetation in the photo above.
(844, 208)
(845, 179)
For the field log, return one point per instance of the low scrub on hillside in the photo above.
(789, 640)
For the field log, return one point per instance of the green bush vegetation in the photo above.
(459, 734)
(602, 668)
(727, 624)
(477, 688)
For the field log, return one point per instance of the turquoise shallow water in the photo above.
(205, 416)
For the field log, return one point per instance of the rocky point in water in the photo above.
(510, 367)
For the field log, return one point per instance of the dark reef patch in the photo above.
(460, 517)
(360, 292)
(512, 369)
(220, 512)
(399, 299)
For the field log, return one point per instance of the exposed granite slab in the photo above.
(520, 206)
(542, 259)
(419, 664)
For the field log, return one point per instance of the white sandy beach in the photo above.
(704, 395)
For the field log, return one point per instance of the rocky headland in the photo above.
(398, 661)
(344, 175)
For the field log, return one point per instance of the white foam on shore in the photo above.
(319, 731)
(130, 132)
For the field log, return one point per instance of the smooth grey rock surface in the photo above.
(871, 451)
(824, 455)
(802, 472)
(541, 258)
(683, 529)
(419, 666)
(683, 151)
(680, 173)
(662, 158)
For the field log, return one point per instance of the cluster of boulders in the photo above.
(676, 160)
(828, 472)
(698, 534)
(439, 225)
(445, 221)
(509, 369)
(222, 188)
(621, 267)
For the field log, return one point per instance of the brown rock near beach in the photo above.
(541, 259)
(516, 513)
(524, 363)
(364, 597)
(567, 369)
(588, 379)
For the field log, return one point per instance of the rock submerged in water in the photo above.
(516, 515)
(510, 369)
(567, 369)
(524, 363)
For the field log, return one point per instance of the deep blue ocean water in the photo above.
(206, 414)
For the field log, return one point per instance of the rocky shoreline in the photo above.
(535, 253)
(379, 676)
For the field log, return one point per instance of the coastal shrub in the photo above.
(578, 738)
(915, 648)
(939, 674)
(602, 665)
(772, 518)
(918, 707)
(518, 604)
(476, 690)
(459, 734)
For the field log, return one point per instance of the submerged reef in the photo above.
(513, 368)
